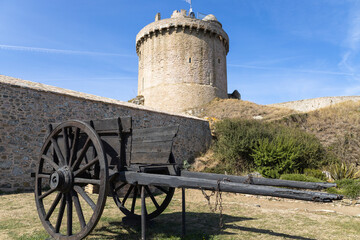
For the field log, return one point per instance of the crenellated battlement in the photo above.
(180, 22)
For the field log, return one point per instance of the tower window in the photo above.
(189, 60)
(218, 60)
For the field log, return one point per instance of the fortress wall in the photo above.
(308, 105)
(26, 108)
(172, 96)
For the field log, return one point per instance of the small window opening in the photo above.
(189, 60)
(218, 60)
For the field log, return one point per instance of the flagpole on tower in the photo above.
(189, 2)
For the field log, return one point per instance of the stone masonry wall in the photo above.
(26, 108)
(308, 105)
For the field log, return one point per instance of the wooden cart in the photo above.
(127, 163)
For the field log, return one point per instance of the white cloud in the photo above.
(350, 58)
(353, 37)
(60, 51)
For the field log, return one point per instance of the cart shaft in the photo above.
(221, 185)
(259, 181)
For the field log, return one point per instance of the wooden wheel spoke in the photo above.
(50, 161)
(127, 194)
(74, 155)
(69, 214)
(87, 181)
(74, 146)
(134, 199)
(77, 162)
(152, 197)
(58, 151)
(86, 167)
(162, 189)
(53, 206)
(47, 193)
(81, 191)
(61, 214)
(66, 144)
(78, 209)
(120, 187)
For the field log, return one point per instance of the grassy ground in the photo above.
(245, 217)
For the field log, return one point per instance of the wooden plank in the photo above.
(224, 186)
(148, 133)
(150, 158)
(154, 138)
(158, 138)
(111, 124)
(150, 147)
(259, 181)
(111, 146)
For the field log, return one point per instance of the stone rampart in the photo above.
(26, 108)
(308, 105)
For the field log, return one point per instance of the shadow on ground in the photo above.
(198, 226)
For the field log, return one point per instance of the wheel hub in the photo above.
(62, 179)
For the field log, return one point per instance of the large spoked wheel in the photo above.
(72, 158)
(127, 198)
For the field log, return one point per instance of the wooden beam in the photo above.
(197, 183)
(259, 181)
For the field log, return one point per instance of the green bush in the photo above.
(289, 150)
(316, 173)
(235, 141)
(348, 187)
(300, 177)
(273, 149)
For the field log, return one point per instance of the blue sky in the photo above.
(280, 50)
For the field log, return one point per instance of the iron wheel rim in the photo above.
(71, 173)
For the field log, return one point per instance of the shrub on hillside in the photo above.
(339, 171)
(300, 177)
(270, 147)
(235, 141)
(316, 173)
(348, 187)
(290, 150)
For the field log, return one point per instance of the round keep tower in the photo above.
(182, 61)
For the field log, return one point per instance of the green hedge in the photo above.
(235, 141)
(271, 148)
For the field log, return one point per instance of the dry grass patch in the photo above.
(233, 108)
(330, 123)
(337, 127)
(245, 217)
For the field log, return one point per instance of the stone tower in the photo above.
(182, 61)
